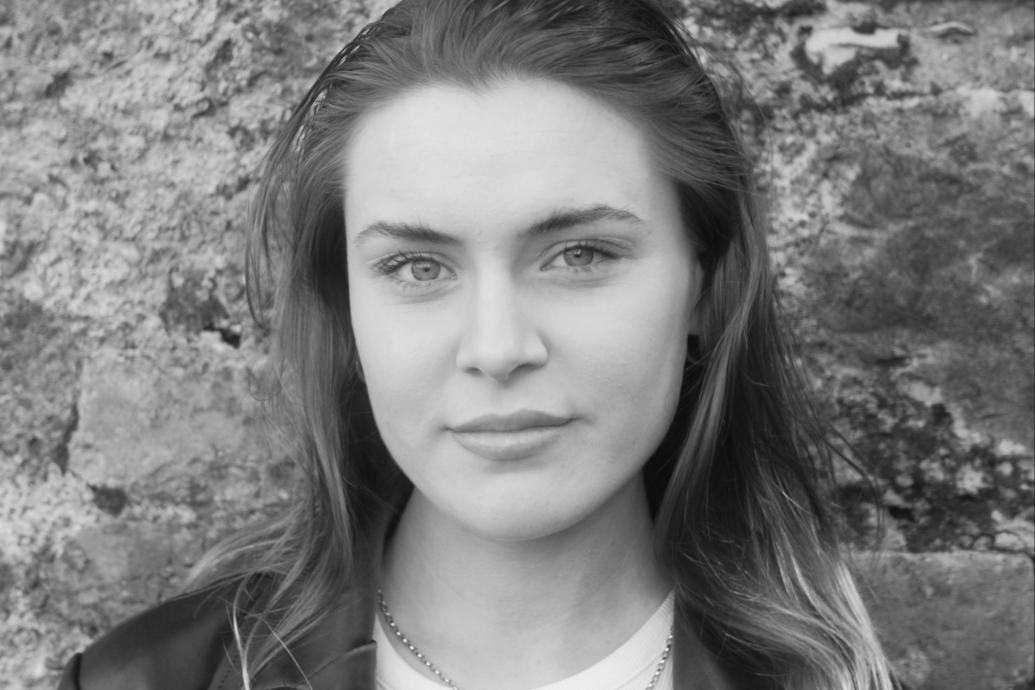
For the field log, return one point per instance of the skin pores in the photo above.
(521, 289)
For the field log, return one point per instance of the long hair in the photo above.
(739, 524)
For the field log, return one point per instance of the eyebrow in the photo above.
(563, 219)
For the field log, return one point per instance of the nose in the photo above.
(499, 339)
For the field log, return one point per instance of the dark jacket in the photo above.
(187, 644)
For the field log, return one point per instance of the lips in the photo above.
(516, 421)
(510, 437)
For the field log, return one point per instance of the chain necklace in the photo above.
(448, 682)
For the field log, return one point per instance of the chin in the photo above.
(518, 520)
(525, 528)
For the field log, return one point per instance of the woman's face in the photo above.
(521, 290)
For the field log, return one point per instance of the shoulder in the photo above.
(178, 644)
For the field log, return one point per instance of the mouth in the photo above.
(510, 437)
(515, 421)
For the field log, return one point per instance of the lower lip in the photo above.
(509, 445)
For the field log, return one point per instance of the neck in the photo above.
(517, 614)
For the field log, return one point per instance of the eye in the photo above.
(579, 256)
(413, 270)
(425, 269)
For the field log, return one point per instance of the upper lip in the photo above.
(514, 421)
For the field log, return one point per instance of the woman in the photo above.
(526, 345)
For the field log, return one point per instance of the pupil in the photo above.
(578, 256)
(425, 269)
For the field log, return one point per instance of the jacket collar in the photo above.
(338, 653)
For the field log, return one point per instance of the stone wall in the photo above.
(894, 141)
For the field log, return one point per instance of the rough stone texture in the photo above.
(943, 617)
(894, 142)
(143, 416)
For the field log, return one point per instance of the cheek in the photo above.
(628, 354)
(642, 374)
(637, 329)
(397, 354)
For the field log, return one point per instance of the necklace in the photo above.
(448, 682)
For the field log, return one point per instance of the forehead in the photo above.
(446, 154)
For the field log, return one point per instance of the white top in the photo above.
(629, 667)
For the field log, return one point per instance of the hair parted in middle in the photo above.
(739, 525)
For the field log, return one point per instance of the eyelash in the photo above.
(390, 265)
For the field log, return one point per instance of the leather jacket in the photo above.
(187, 643)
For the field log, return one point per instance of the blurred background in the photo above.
(894, 143)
